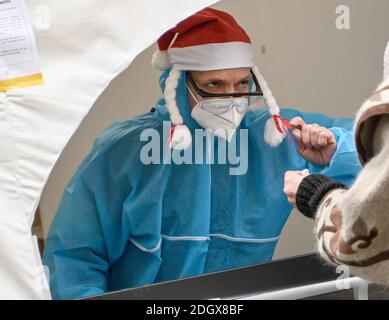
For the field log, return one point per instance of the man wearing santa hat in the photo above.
(122, 223)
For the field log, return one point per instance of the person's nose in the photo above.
(230, 88)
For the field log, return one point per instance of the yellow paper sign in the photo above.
(19, 66)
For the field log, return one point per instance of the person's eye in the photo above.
(244, 83)
(213, 85)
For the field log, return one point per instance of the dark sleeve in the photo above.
(312, 190)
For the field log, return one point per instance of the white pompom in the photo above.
(272, 136)
(160, 60)
(181, 138)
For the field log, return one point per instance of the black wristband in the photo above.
(311, 192)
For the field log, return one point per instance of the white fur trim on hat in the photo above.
(271, 102)
(386, 62)
(170, 96)
(213, 56)
(181, 137)
(272, 136)
(160, 60)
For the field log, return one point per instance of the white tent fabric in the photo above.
(88, 44)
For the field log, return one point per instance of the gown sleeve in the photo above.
(345, 164)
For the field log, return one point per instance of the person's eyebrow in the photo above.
(221, 79)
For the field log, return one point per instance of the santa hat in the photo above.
(208, 40)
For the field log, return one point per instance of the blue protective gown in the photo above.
(124, 224)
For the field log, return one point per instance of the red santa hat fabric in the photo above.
(209, 40)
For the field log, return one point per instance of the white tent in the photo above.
(86, 45)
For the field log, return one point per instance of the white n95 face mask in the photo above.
(221, 116)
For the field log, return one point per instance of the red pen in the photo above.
(283, 125)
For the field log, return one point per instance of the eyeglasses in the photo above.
(204, 94)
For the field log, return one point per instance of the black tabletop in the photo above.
(237, 283)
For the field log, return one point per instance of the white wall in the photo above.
(309, 64)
